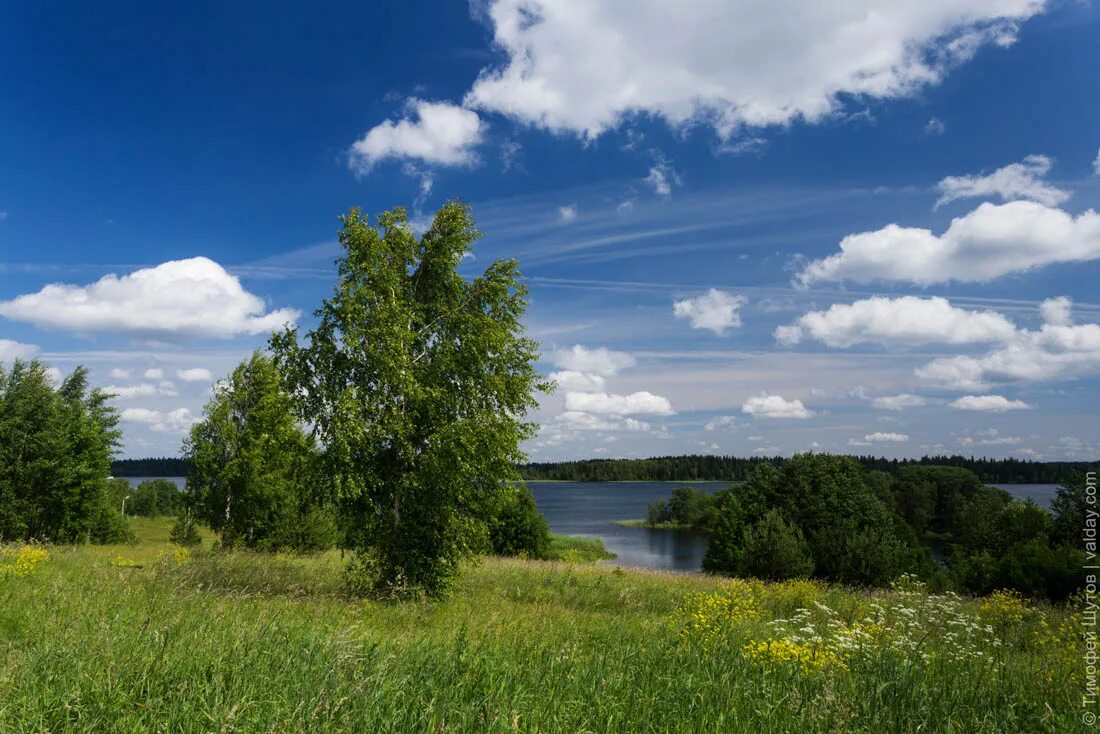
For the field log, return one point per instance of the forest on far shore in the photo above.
(699, 468)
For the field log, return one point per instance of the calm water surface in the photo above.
(591, 509)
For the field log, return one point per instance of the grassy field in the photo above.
(148, 638)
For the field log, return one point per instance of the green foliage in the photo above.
(518, 528)
(252, 477)
(725, 550)
(152, 498)
(1070, 508)
(775, 549)
(417, 383)
(55, 451)
(184, 532)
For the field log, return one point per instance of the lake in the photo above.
(591, 509)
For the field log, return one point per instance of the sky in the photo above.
(748, 227)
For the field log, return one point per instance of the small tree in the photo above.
(775, 549)
(725, 550)
(417, 382)
(518, 528)
(250, 478)
(184, 531)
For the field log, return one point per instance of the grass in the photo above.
(578, 549)
(250, 643)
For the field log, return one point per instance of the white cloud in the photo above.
(583, 421)
(935, 126)
(993, 403)
(600, 361)
(578, 381)
(1057, 311)
(879, 437)
(1096, 164)
(195, 297)
(1015, 181)
(154, 373)
(1058, 350)
(567, 213)
(661, 177)
(904, 320)
(898, 402)
(120, 374)
(715, 310)
(638, 403)
(990, 241)
(721, 421)
(142, 390)
(12, 350)
(195, 374)
(177, 421)
(442, 134)
(580, 66)
(775, 406)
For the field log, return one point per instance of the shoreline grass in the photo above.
(252, 642)
(642, 523)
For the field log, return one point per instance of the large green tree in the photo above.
(56, 444)
(417, 383)
(251, 478)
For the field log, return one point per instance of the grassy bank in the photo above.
(240, 642)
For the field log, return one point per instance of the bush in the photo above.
(109, 527)
(724, 552)
(519, 529)
(775, 549)
(184, 531)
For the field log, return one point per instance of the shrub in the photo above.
(518, 528)
(775, 549)
(724, 552)
(184, 533)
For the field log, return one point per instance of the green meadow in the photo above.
(152, 638)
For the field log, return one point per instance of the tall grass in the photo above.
(251, 643)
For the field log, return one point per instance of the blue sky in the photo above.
(748, 227)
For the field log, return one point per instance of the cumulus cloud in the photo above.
(441, 134)
(988, 242)
(141, 390)
(1056, 351)
(12, 350)
(567, 213)
(1057, 311)
(154, 373)
(1015, 181)
(194, 297)
(775, 406)
(638, 403)
(990, 403)
(879, 437)
(177, 421)
(935, 126)
(578, 381)
(898, 402)
(584, 67)
(583, 421)
(600, 361)
(904, 320)
(120, 374)
(195, 374)
(715, 310)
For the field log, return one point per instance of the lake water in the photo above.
(591, 509)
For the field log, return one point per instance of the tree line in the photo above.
(830, 517)
(738, 469)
